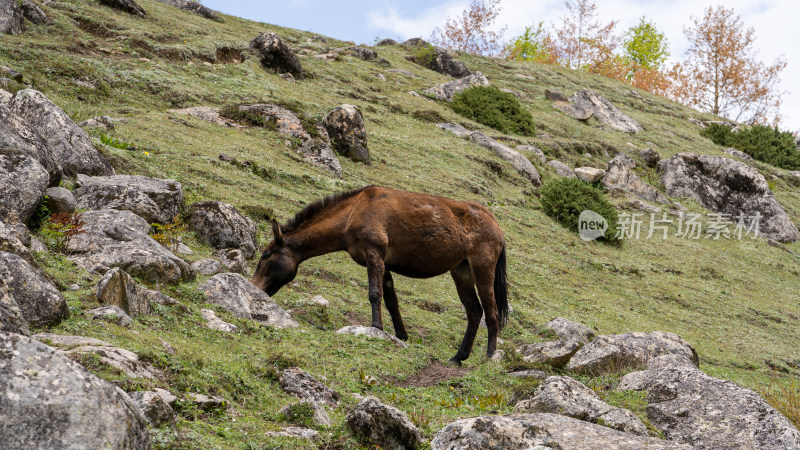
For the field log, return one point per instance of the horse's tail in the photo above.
(501, 287)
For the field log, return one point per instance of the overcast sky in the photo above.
(775, 21)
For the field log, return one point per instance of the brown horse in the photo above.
(416, 235)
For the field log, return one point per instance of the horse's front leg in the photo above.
(375, 271)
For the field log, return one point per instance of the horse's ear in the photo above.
(276, 232)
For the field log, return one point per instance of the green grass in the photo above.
(737, 302)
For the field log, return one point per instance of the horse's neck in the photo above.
(314, 241)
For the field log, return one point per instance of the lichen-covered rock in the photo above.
(540, 432)
(153, 199)
(207, 266)
(691, 407)
(112, 313)
(240, 297)
(589, 174)
(297, 413)
(728, 187)
(128, 6)
(345, 127)
(446, 91)
(40, 302)
(11, 17)
(362, 53)
(303, 385)
(371, 332)
(386, 41)
(60, 200)
(22, 184)
(650, 157)
(276, 54)
(222, 226)
(383, 425)
(605, 111)
(616, 351)
(11, 319)
(554, 95)
(569, 330)
(569, 397)
(534, 150)
(455, 128)
(295, 432)
(520, 163)
(533, 374)
(119, 289)
(66, 142)
(33, 13)
(440, 60)
(554, 353)
(194, 7)
(620, 176)
(120, 239)
(233, 260)
(104, 122)
(738, 154)
(123, 360)
(575, 111)
(157, 411)
(17, 137)
(11, 243)
(215, 323)
(207, 402)
(561, 169)
(49, 401)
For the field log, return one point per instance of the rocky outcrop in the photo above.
(237, 295)
(128, 6)
(22, 184)
(605, 111)
(738, 154)
(40, 302)
(123, 360)
(569, 330)
(215, 323)
(618, 351)
(207, 266)
(386, 41)
(222, 226)
(568, 397)
(10, 243)
(554, 353)
(119, 239)
(440, 60)
(362, 53)
(540, 431)
(371, 332)
(446, 91)
(650, 157)
(153, 199)
(194, 7)
(11, 319)
(113, 314)
(561, 169)
(58, 142)
(521, 164)
(589, 174)
(728, 187)
(11, 17)
(345, 127)
(276, 54)
(534, 150)
(571, 110)
(117, 288)
(455, 128)
(384, 426)
(60, 200)
(50, 401)
(691, 407)
(297, 413)
(157, 411)
(554, 95)
(303, 385)
(619, 176)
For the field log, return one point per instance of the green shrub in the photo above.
(425, 55)
(495, 108)
(564, 199)
(763, 143)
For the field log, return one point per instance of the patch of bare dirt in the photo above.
(436, 372)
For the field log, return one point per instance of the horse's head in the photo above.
(278, 264)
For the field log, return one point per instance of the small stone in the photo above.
(650, 157)
(215, 323)
(295, 432)
(60, 200)
(589, 174)
(383, 425)
(554, 353)
(155, 408)
(112, 313)
(569, 330)
(302, 384)
(119, 289)
(207, 402)
(207, 266)
(555, 95)
(320, 301)
(533, 374)
(371, 332)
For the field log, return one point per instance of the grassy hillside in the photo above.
(737, 302)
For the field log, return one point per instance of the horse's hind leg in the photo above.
(390, 298)
(375, 271)
(484, 281)
(465, 285)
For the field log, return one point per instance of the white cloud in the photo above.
(419, 25)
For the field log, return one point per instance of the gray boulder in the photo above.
(575, 111)
(40, 302)
(345, 126)
(295, 432)
(207, 402)
(362, 53)
(605, 111)
(555, 95)
(112, 313)
(455, 128)
(240, 297)
(10, 243)
(65, 141)
(50, 401)
(533, 374)
(619, 176)
(728, 187)
(303, 385)
(222, 226)
(442, 61)
(540, 432)
(119, 239)
(589, 174)
(155, 200)
(22, 184)
(446, 91)
(568, 397)
(371, 332)
(123, 360)
(17, 137)
(554, 353)
(104, 122)
(650, 157)
(386, 41)
(296, 412)
(11, 319)
(207, 266)
(618, 351)
(534, 150)
(157, 411)
(193, 7)
(33, 13)
(11, 17)
(60, 200)
(738, 154)
(561, 169)
(521, 164)
(276, 54)
(691, 407)
(384, 426)
(569, 330)
(215, 323)
(117, 288)
(128, 6)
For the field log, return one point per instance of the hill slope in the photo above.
(736, 302)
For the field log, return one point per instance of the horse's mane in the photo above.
(313, 209)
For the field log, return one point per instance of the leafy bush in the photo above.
(114, 142)
(168, 234)
(60, 229)
(495, 108)
(565, 198)
(763, 143)
(425, 55)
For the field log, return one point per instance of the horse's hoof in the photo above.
(402, 337)
(453, 363)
